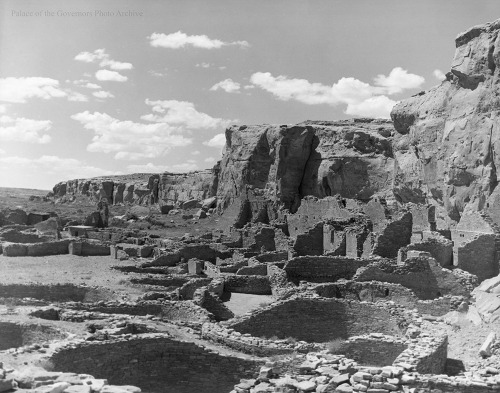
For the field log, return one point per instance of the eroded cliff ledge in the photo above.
(449, 148)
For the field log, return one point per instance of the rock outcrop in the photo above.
(279, 165)
(143, 188)
(448, 152)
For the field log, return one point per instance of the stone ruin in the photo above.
(368, 239)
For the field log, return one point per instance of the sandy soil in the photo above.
(240, 303)
(68, 269)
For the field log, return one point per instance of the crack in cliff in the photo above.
(300, 189)
(490, 159)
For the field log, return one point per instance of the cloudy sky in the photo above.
(90, 88)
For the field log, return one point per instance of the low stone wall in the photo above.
(184, 311)
(15, 335)
(374, 291)
(440, 249)
(257, 285)
(321, 320)
(322, 268)
(188, 289)
(168, 310)
(89, 249)
(373, 349)
(254, 345)
(53, 292)
(133, 250)
(272, 256)
(255, 270)
(440, 306)
(156, 363)
(205, 299)
(57, 247)
(425, 354)
(422, 274)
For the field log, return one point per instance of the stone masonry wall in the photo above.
(478, 256)
(57, 292)
(374, 350)
(257, 285)
(318, 320)
(322, 268)
(157, 364)
(395, 235)
(423, 275)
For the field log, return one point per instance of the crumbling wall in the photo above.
(317, 320)
(257, 285)
(373, 350)
(396, 234)
(57, 247)
(310, 242)
(477, 256)
(313, 210)
(203, 298)
(322, 268)
(18, 334)
(54, 292)
(423, 275)
(440, 248)
(156, 364)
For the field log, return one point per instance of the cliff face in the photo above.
(283, 164)
(268, 164)
(449, 147)
(267, 158)
(143, 188)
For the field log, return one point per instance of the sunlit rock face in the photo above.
(450, 135)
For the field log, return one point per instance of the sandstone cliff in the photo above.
(282, 164)
(448, 152)
(143, 188)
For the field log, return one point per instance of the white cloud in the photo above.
(102, 94)
(2, 152)
(63, 168)
(100, 55)
(195, 153)
(78, 97)
(371, 107)
(182, 113)
(3, 108)
(152, 168)
(85, 83)
(19, 89)
(209, 159)
(92, 86)
(439, 75)
(157, 73)
(362, 99)
(203, 65)
(24, 130)
(180, 40)
(398, 80)
(218, 140)
(127, 139)
(228, 85)
(106, 75)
